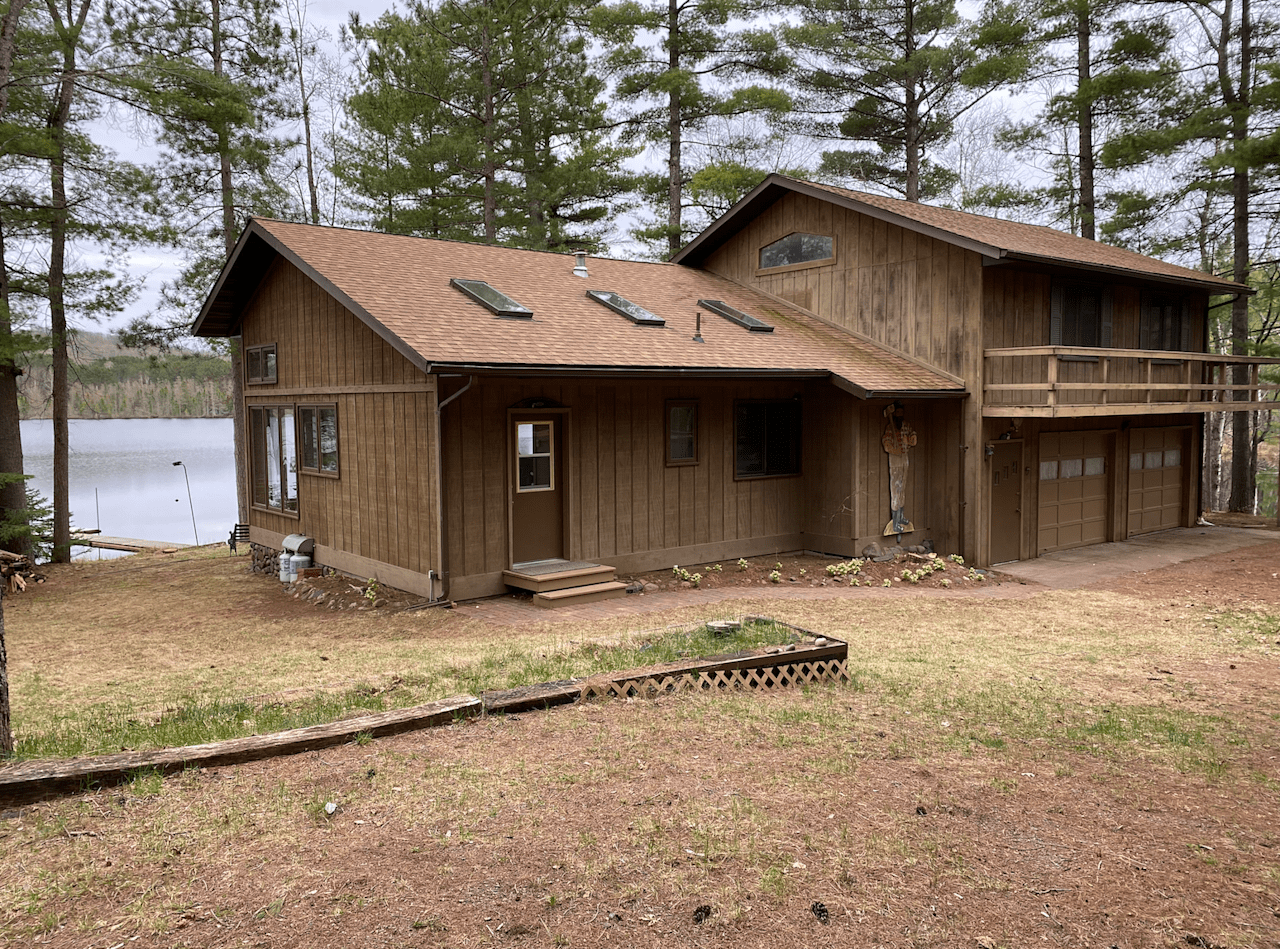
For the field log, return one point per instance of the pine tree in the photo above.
(1107, 71)
(1225, 125)
(482, 120)
(210, 72)
(890, 77)
(681, 65)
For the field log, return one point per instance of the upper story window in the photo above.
(1080, 315)
(1165, 322)
(260, 364)
(797, 249)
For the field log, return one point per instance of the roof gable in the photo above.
(991, 237)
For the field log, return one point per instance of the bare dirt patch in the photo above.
(1074, 768)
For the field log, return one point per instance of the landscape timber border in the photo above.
(795, 664)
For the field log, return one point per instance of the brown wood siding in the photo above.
(625, 504)
(905, 290)
(381, 506)
(1016, 313)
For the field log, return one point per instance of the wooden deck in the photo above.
(131, 544)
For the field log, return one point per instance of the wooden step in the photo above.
(559, 579)
(588, 593)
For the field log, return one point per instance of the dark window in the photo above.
(796, 249)
(318, 434)
(260, 364)
(621, 305)
(682, 432)
(767, 439)
(273, 461)
(1080, 315)
(734, 315)
(492, 298)
(1166, 323)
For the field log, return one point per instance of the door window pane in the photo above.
(1173, 458)
(1048, 470)
(1155, 459)
(1094, 466)
(534, 445)
(1071, 468)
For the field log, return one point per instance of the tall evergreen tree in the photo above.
(1107, 71)
(680, 65)
(481, 119)
(1226, 124)
(210, 73)
(890, 77)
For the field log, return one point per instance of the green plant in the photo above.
(743, 563)
(887, 583)
(778, 565)
(682, 574)
(945, 582)
(802, 571)
(845, 568)
(956, 558)
(370, 591)
(973, 574)
(775, 576)
(717, 569)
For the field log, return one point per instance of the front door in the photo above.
(1006, 502)
(537, 508)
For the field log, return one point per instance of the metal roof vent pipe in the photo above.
(580, 264)
(697, 333)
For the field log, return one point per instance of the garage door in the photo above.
(1155, 479)
(1074, 498)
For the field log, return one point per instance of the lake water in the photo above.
(123, 480)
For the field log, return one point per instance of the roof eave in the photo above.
(1209, 283)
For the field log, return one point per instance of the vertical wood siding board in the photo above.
(608, 454)
(589, 499)
(495, 475)
(892, 243)
(710, 442)
(923, 309)
(661, 501)
(641, 490)
(879, 308)
(624, 519)
(452, 450)
(471, 531)
(408, 450)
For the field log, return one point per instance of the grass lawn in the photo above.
(1083, 768)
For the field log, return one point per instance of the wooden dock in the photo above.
(131, 544)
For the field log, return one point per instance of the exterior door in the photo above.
(1074, 489)
(1155, 479)
(1006, 502)
(537, 508)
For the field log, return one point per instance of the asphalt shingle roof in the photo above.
(402, 283)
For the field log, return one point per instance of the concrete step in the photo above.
(559, 579)
(588, 593)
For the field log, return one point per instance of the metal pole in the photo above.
(189, 501)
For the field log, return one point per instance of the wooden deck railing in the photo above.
(1064, 381)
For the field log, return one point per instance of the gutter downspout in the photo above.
(439, 498)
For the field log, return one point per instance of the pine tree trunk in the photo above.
(1242, 471)
(6, 729)
(1084, 120)
(675, 171)
(13, 494)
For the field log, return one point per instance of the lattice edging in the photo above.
(782, 676)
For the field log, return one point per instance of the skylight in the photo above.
(492, 299)
(632, 311)
(720, 308)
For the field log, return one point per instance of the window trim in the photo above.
(802, 265)
(317, 472)
(259, 411)
(1149, 300)
(672, 404)
(795, 433)
(264, 380)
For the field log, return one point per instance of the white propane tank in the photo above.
(286, 564)
(298, 563)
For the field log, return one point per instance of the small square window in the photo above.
(260, 364)
(1173, 458)
(1095, 466)
(1048, 471)
(1135, 461)
(1155, 459)
(682, 432)
(1071, 468)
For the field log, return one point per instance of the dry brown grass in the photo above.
(1082, 768)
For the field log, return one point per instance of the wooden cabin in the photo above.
(456, 418)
